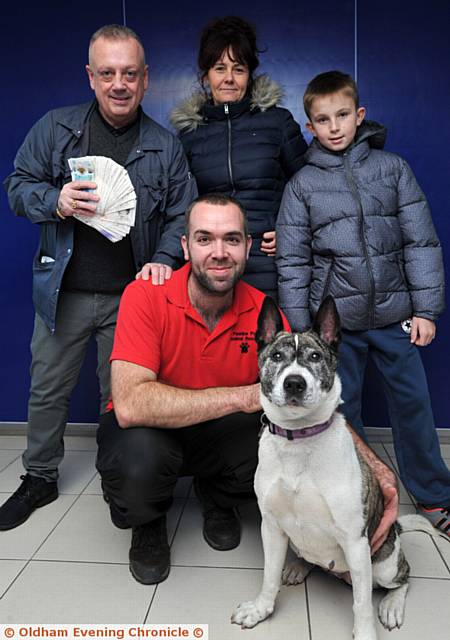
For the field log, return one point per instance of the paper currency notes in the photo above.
(116, 209)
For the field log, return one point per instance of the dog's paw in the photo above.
(248, 614)
(391, 610)
(295, 571)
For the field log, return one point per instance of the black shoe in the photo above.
(34, 492)
(150, 552)
(221, 528)
(117, 517)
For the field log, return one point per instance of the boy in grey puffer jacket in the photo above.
(355, 224)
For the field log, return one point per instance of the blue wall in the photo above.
(399, 50)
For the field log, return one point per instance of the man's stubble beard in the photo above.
(206, 284)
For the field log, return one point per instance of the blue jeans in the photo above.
(422, 470)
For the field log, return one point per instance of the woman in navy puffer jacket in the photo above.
(237, 140)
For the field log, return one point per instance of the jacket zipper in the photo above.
(230, 168)
(355, 192)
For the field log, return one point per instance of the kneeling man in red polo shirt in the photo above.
(185, 393)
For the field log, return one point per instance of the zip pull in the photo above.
(225, 108)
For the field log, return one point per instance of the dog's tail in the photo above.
(414, 522)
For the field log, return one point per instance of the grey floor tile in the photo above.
(444, 548)
(423, 557)
(330, 603)
(330, 608)
(13, 442)
(87, 534)
(65, 592)
(94, 488)
(21, 543)
(9, 569)
(7, 456)
(190, 549)
(427, 612)
(445, 450)
(80, 443)
(75, 472)
(213, 596)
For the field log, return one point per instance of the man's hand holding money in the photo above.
(75, 198)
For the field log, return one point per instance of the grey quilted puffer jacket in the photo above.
(356, 225)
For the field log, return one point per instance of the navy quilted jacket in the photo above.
(248, 150)
(356, 225)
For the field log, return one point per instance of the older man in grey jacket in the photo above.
(79, 275)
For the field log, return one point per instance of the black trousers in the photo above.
(140, 466)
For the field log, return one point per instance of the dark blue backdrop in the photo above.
(399, 52)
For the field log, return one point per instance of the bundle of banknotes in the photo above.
(116, 208)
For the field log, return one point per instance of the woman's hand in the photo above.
(269, 243)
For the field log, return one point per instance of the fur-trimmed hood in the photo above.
(188, 115)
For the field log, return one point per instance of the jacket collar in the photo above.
(76, 119)
(187, 116)
(370, 135)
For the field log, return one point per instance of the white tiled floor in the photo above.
(69, 564)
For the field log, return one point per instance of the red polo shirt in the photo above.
(159, 329)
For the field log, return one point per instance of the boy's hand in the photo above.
(422, 331)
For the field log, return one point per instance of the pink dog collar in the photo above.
(294, 434)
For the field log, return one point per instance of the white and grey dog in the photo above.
(314, 489)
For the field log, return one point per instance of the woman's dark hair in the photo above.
(223, 34)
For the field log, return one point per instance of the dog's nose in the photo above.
(294, 384)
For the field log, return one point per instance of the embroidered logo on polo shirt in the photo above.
(244, 338)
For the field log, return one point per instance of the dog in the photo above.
(314, 489)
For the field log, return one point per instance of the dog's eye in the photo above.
(315, 356)
(276, 356)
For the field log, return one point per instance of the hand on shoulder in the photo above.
(158, 272)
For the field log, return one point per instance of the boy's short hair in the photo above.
(329, 82)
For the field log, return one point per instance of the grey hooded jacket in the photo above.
(157, 168)
(356, 225)
(247, 149)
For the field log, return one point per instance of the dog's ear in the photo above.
(270, 323)
(327, 323)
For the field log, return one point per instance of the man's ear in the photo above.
(146, 78)
(249, 245)
(90, 75)
(327, 323)
(270, 323)
(184, 245)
